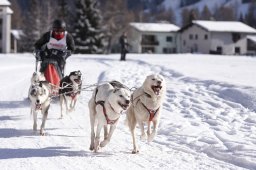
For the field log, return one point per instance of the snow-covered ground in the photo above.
(208, 121)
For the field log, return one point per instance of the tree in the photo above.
(251, 15)
(225, 14)
(206, 13)
(88, 33)
(116, 17)
(31, 26)
(16, 16)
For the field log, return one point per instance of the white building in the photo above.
(5, 26)
(215, 37)
(153, 38)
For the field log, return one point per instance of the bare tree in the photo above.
(16, 16)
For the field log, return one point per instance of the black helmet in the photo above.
(59, 24)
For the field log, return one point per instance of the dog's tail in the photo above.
(130, 118)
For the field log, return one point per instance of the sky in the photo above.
(208, 120)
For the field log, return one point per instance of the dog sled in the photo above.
(52, 65)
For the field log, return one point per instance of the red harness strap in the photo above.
(105, 113)
(151, 112)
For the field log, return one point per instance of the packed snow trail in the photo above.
(193, 131)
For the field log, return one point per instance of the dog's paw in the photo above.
(91, 148)
(104, 143)
(135, 151)
(42, 133)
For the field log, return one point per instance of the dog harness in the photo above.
(102, 103)
(151, 112)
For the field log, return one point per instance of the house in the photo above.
(5, 26)
(251, 45)
(215, 37)
(15, 40)
(153, 37)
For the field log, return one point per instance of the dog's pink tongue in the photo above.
(157, 91)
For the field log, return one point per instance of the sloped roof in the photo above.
(155, 27)
(252, 38)
(224, 26)
(17, 34)
(4, 3)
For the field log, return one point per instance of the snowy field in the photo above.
(208, 121)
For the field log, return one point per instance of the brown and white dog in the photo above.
(70, 89)
(106, 104)
(146, 107)
(39, 95)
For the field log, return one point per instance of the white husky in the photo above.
(39, 95)
(106, 104)
(146, 107)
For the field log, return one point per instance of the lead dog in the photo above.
(146, 107)
(70, 89)
(39, 95)
(106, 104)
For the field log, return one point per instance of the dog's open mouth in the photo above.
(38, 107)
(78, 81)
(124, 106)
(156, 89)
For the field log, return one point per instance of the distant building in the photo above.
(15, 40)
(153, 38)
(5, 26)
(251, 45)
(215, 37)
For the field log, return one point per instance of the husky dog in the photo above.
(36, 77)
(106, 104)
(146, 107)
(70, 89)
(39, 95)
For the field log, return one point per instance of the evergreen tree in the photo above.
(251, 15)
(88, 33)
(206, 13)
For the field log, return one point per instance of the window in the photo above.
(236, 37)
(184, 42)
(169, 39)
(149, 40)
(148, 50)
(237, 50)
(1, 25)
(206, 37)
(219, 50)
(190, 36)
(196, 36)
(169, 50)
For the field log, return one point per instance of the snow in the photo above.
(5, 3)
(155, 27)
(208, 120)
(225, 26)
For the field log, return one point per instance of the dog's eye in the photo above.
(153, 79)
(120, 95)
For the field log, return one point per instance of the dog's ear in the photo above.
(115, 90)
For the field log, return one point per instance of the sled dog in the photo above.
(70, 89)
(36, 77)
(146, 104)
(39, 95)
(106, 104)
